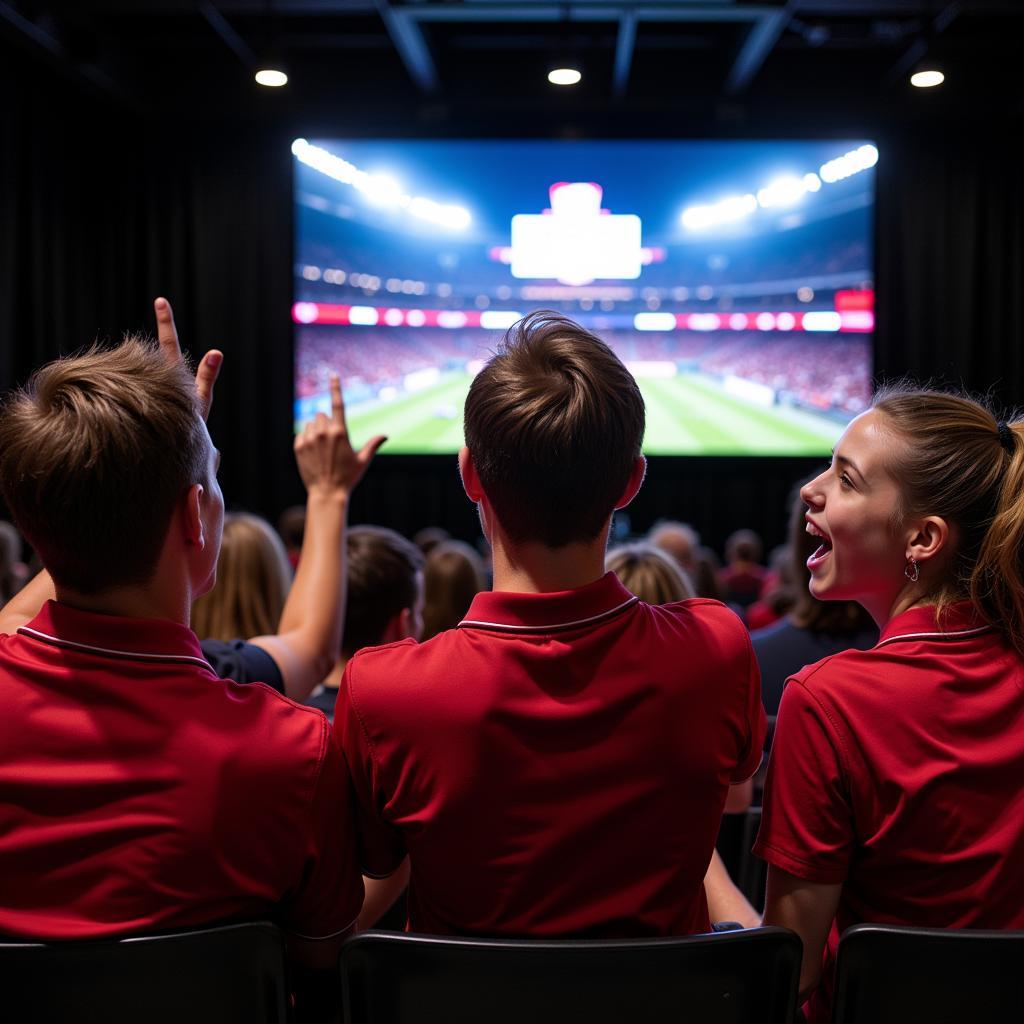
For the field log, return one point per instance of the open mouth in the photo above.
(823, 551)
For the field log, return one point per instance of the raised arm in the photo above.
(308, 640)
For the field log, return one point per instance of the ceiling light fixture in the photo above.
(564, 76)
(273, 78)
(927, 77)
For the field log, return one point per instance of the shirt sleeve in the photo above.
(243, 662)
(807, 820)
(329, 894)
(754, 724)
(381, 845)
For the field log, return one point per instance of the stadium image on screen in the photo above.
(734, 279)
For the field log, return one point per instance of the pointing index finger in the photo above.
(166, 332)
(337, 402)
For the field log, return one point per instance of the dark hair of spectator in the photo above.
(554, 424)
(453, 576)
(706, 580)
(429, 537)
(291, 525)
(743, 546)
(382, 581)
(95, 453)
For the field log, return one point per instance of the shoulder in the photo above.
(703, 618)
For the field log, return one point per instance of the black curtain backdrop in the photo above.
(102, 209)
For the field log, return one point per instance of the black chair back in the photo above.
(890, 975)
(225, 975)
(727, 978)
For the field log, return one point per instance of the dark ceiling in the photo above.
(428, 65)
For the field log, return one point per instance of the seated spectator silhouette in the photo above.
(129, 768)
(291, 525)
(680, 540)
(558, 764)
(743, 576)
(813, 629)
(385, 600)
(454, 574)
(13, 571)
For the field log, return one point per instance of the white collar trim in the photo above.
(958, 634)
(109, 652)
(557, 627)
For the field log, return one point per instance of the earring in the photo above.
(912, 570)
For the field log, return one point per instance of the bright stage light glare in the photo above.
(725, 211)
(564, 76)
(859, 159)
(273, 78)
(784, 191)
(927, 78)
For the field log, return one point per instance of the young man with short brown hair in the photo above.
(558, 764)
(138, 791)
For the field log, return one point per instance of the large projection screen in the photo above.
(735, 279)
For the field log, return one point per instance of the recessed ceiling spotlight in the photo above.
(926, 78)
(273, 78)
(564, 76)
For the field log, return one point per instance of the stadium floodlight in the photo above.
(821, 320)
(394, 317)
(565, 76)
(272, 78)
(654, 321)
(499, 319)
(724, 211)
(765, 321)
(415, 318)
(305, 312)
(785, 321)
(927, 78)
(738, 321)
(380, 189)
(704, 321)
(453, 319)
(363, 316)
(784, 191)
(859, 159)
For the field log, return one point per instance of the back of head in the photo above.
(291, 525)
(680, 540)
(743, 546)
(953, 458)
(453, 576)
(554, 424)
(833, 618)
(383, 570)
(429, 537)
(253, 577)
(649, 573)
(94, 454)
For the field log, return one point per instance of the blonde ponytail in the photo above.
(997, 583)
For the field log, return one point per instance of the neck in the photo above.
(333, 680)
(909, 597)
(138, 602)
(536, 569)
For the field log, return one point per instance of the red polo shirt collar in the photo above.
(115, 636)
(959, 621)
(552, 612)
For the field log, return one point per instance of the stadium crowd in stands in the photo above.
(482, 742)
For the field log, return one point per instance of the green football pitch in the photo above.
(686, 415)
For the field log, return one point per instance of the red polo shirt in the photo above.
(140, 793)
(899, 772)
(556, 765)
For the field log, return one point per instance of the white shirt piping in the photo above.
(955, 635)
(35, 634)
(553, 628)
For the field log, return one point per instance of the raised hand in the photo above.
(324, 454)
(209, 365)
